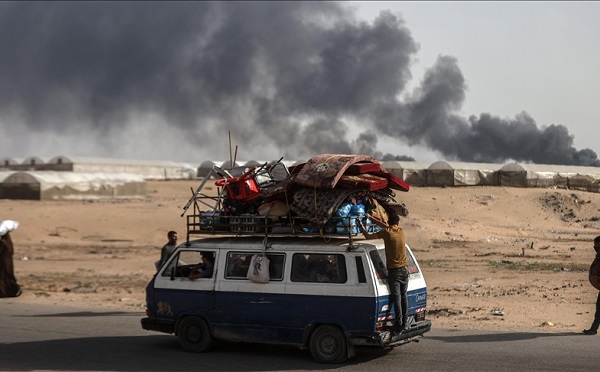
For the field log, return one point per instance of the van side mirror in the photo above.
(173, 273)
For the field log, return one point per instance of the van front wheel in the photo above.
(194, 335)
(328, 345)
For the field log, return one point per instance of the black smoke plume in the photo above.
(169, 80)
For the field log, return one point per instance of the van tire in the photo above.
(328, 345)
(194, 335)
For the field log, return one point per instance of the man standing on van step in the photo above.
(397, 266)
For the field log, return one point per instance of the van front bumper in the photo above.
(389, 338)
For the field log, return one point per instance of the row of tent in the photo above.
(446, 174)
(442, 173)
(52, 185)
(438, 174)
(147, 169)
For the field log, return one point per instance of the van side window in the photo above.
(319, 268)
(360, 270)
(184, 263)
(238, 263)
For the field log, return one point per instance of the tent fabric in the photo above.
(44, 185)
(227, 164)
(8, 161)
(206, 167)
(148, 169)
(4, 175)
(440, 173)
(544, 175)
(411, 172)
(33, 160)
(107, 161)
(29, 163)
(443, 173)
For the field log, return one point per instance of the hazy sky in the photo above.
(468, 81)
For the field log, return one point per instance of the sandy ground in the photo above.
(494, 257)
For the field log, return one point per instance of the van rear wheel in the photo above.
(329, 345)
(194, 335)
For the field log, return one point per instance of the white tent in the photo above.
(9, 163)
(442, 173)
(206, 167)
(29, 163)
(545, 175)
(4, 175)
(147, 169)
(48, 185)
(412, 172)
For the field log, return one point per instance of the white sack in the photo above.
(258, 272)
(8, 226)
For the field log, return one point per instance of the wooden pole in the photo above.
(230, 156)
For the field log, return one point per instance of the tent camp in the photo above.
(30, 163)
(442, 173)
(228, 165)
(9, 163)
(147, 169)
(188, 170)
(49, 185)
(411, 172)
(206, 167)
(545, 175)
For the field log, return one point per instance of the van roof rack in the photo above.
(216, 223)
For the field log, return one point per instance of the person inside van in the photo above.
(397, 266)
(328, 271)
(204, 269)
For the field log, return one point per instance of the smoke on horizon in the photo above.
(169, 80)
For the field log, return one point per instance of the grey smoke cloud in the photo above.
(170, 79)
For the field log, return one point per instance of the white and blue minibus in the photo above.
(329, 296)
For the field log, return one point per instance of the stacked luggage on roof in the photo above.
(323, 196)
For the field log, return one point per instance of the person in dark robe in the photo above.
(594, 275)
(8, 282)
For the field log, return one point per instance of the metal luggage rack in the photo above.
(215, 223)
